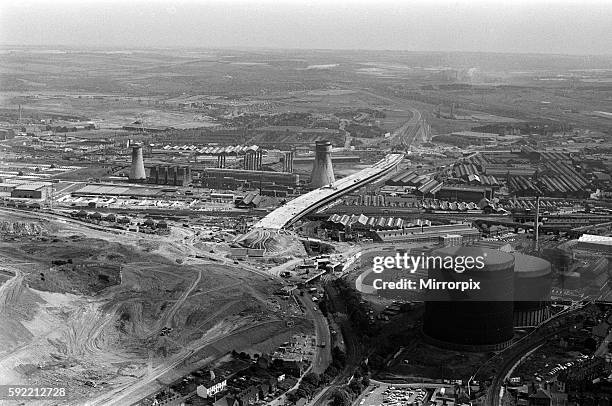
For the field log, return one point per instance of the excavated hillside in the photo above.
(82, 306)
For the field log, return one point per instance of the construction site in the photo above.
(101, 311)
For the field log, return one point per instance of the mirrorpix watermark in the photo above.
(408, 264)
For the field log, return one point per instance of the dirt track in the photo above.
(76, 337)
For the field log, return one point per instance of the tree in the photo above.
(312, 379)
(323, 308)
(292, 397)
(303, 392)
(340, 397)
(339, 358)
(355, 387)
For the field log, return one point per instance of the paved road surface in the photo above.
(406, 134)
(322, 357)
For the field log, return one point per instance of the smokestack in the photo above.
(137, 171)
(322, 171)
(536, 229)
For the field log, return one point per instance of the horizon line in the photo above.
(273, 48)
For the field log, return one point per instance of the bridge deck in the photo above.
(303, 204)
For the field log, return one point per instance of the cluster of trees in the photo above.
(349, 114)
(345, 395)
(312, 382)
(357, 311)
(309, 385)
(245, 356)
(342, 396)
(364, 131)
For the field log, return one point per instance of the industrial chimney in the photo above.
(137, 171)
(322, 171)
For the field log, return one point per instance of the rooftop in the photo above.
(32, 186)
(596, 239)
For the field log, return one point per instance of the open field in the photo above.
(153, 87)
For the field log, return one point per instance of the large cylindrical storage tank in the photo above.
(532, 287)
(571, 280)
(322, 170)
(474, 320)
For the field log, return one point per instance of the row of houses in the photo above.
(362, 222)
(242, 380)
(421, 204)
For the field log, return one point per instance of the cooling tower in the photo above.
(322, 171)
(532, 287)
(479, 320)
(137, 171)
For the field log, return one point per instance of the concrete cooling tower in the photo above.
(322, 171)
(481, 320)
(137, 171)
(532, 287)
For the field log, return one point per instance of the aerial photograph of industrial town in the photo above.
(306, 203)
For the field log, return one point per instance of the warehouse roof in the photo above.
(596, 239)
(32, 186)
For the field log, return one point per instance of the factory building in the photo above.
(7, 187)
(6, 134)
(598, 243)
(452, 240)
(465, 193)
(234, 178)
(31, 191)
(532, 287)
(322, 170)
(467, 232)
(479, 320)
(170, 175)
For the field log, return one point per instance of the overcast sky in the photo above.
(535, 26)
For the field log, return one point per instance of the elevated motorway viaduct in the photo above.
(299, 207)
